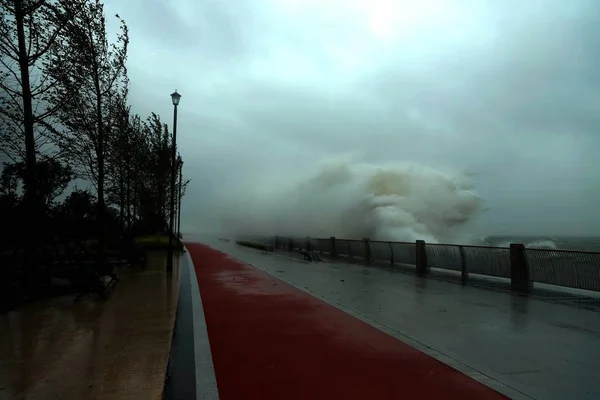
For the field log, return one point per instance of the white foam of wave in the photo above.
(535, 244)
(402, 202)
(542, 244)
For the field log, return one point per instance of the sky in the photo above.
(506, 90)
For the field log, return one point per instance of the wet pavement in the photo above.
(525, 348)
(112, 349)
(271, 341)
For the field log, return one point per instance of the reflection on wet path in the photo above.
(117, 348)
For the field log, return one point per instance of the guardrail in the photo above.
(523, 266)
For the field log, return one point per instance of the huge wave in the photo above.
(544, 244)
(400, 202)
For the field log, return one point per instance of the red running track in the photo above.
(270, 340)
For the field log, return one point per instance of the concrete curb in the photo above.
(190, 372)
(206, 381)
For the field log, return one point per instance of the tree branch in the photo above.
(56, 32)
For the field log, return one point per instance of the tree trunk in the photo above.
(122, 197)
(31, 192)
(136, 201)
(128, 193)
(100, 155)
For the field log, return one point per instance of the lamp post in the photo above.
(175, 97)
(179, 197)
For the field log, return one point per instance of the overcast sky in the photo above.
(506, 89)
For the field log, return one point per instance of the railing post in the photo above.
(421, 256)
(463, 264)
(333, 248)
(520, 278)
(391, 254)
(367, 254)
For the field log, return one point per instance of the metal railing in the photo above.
(574, 269)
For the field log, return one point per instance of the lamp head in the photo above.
(175, 97)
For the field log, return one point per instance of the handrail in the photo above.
(578, 269)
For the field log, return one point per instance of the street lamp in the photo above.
(180, 162)
(175, 97)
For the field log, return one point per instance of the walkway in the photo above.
(117, 349)
(275, 322)
(271, 340)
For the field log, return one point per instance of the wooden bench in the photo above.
(81, 266)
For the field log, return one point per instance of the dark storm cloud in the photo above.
(509, 90)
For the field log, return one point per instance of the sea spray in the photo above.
(544, 244)
(401, 202)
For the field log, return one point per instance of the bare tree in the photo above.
(118, 158)
(29, 34)
(98, 79)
